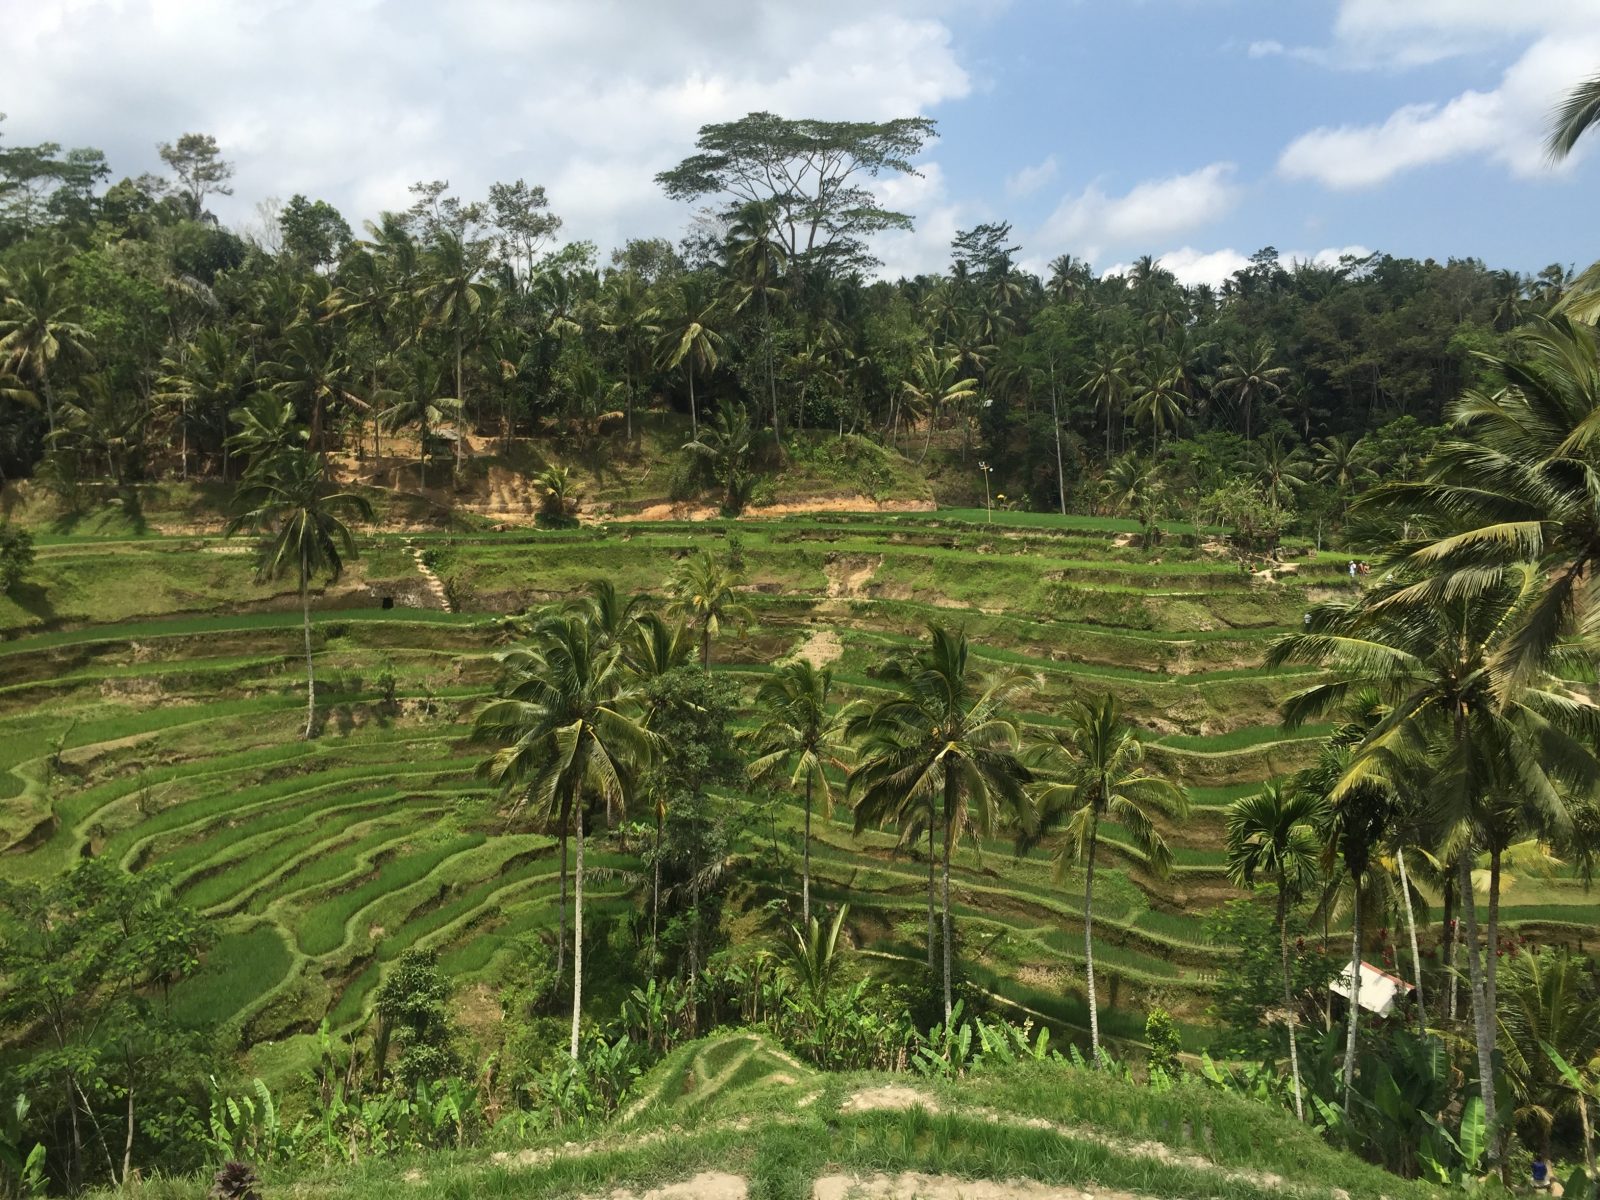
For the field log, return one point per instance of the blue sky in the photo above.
(1195, 130)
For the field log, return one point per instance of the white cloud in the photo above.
(1266, 48)
(1214, 267)
(1557, 45)
(1092, 222)
(1031, 178)
(352, 101)
(1505, 125)
(925, 249)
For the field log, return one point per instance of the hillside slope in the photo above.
(732, 1116)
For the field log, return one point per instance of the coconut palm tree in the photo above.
(1158, 401)
(569, 732)
(631, 317)
(1550, 1005)
(689, 337)
(725, 446)
(703, 594)
(1576, 116)
(1516, 482)
(756, 258)
(1109, 378)
(1275, 834)
(933, 387)
(1093, 769)
(415, 401)
(1430, 661)
(800, 734)
(208, 377)
(1250, 377)
(302, 520)
(943, 742)
(39, 327)
(453, 299)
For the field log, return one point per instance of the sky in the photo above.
(1197, 131)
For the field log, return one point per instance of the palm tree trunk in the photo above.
(577, 931)
(1492, 951)
(561, 927)
(1088, 949)
(1416, 955)
(694, 417)
(949, 841)
(311, 674)
(461, 402)
(772, 379)
(655, 891)
(1355, 995)
(1447, 947)
(1055, 419)
(805, 871)
(49, 402)
(1588, 1136)
(1482, 1018)
(705, 646)
(933, 857)
(1290, 1016)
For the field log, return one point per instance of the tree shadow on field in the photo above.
(32, 598)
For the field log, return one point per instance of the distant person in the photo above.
(1352, 570)
(1541, 1174)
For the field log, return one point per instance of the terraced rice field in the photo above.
(151, 698)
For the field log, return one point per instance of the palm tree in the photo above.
(1094, 769)
(943, 737)
(288, 501)
(801, 735)
(1280, 469)
(688, 336)
(630, 317)
(1108, 382)
(308, 368)
(756, 260)
(1249, 376)
(933, 387)
(1274, 833)
(1429, 660)
(725, 445)
(416, 401)
(704, 595)
(1517, 482)
(1158, 401)
(1551, 1006)
(453, 298)
(1576, 116)
(1338, 462)
(211, 375)
(569, 733)
(39, 326)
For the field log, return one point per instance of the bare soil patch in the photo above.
(912, 1185)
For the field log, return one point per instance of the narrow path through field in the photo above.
(434, 585)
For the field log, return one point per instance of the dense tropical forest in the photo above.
(1249, 651)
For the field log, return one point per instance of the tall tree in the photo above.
(1094, 770)
(1430, 661)
(302, 521)
(1275, 833)
(704, 595)
(813, 173)
(944, 741)
(800, 733)
(39, 325)
(196, 159)
(688, 336)
(569, 730)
